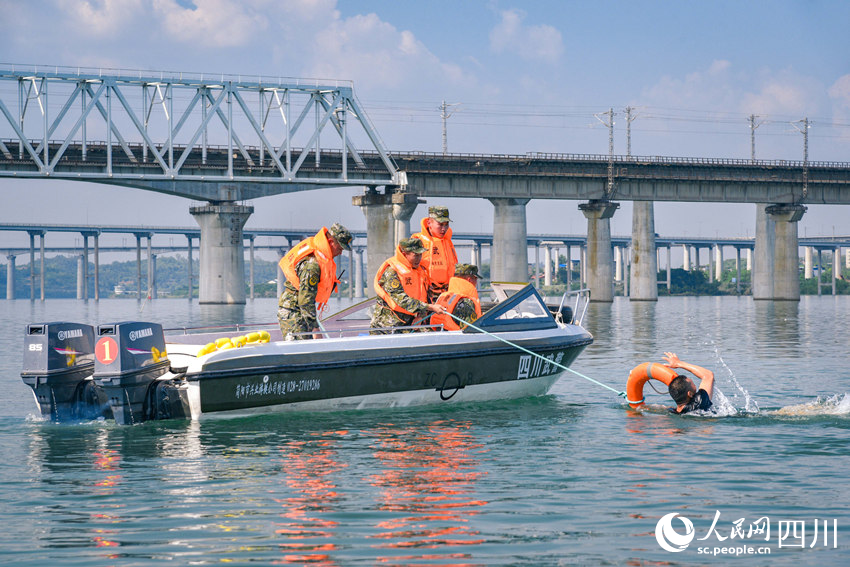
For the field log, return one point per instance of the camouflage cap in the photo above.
(341, 235)
(467, 270)
(412, 245)
(439, 214)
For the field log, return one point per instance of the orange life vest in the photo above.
(320, 248)
(413, 280)
(440, 257)
(459, 288)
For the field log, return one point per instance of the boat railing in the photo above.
(232, 328)
(581, 301)
(361, 331)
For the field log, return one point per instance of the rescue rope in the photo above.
(523, 349)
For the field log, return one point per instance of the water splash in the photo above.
(836, 404)
(721, 406)
(751, 406)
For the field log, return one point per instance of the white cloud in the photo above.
(213, 23)
(720, 88)
(369, 50)
(840, 91)
(542, 42)
(102, 18)
(694, 90)
(779, 96)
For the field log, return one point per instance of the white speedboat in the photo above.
(134, 371)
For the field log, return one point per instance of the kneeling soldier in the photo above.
(402, 288)
(461, 299)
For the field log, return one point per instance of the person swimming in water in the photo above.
(682, 389)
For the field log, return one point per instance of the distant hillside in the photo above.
(171, 278)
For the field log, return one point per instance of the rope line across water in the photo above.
(523, 349)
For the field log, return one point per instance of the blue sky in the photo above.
(528, 76)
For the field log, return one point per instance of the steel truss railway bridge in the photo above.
(224, 139)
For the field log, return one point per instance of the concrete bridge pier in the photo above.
(786, 257)
(718, 266)
(618, 264)
(537, 265)
(32, 235)
(189, 271)
(556, 263)
(644, 257)
(281, 279)
(350, 273)
(762, 268)
(476, 254)
(600, 264)
(738, 270)
(403, 206)
(81, 276)
(94, 235)
(847, 258)
(222, 257)
(509, 255)
(582, 266)
(627, 260)
(251, 267)
(10, 277)
(358, 272)
(380, 229)
(152, 278)
(809, 271)
(96, 238)
(547, 265)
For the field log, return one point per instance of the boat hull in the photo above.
(396, 373)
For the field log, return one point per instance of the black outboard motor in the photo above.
(58, 366)
(130, 357)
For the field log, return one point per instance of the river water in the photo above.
(574, 478)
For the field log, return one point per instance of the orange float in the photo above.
(640, 375)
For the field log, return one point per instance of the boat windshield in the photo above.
(524, 310)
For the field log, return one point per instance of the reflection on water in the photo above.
(644, 333)
(598, 321)
(273, 488)
(310, 467)
(426, 482)
(777, 328)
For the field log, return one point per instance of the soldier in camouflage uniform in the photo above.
(310, 279)
(461, 298)
(402, 288)
(440, 257)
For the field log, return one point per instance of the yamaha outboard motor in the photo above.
(129, 358)
(58, 366)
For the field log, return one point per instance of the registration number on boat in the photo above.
(277, 387)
